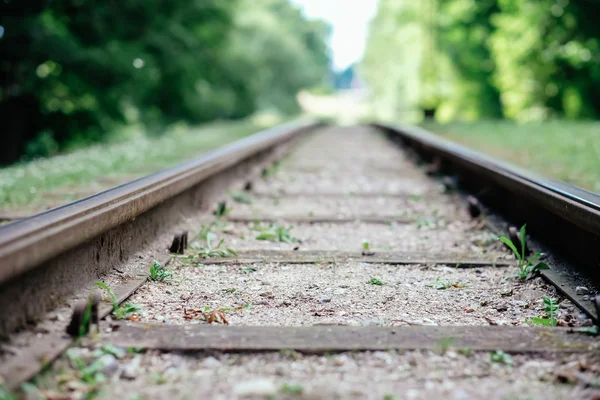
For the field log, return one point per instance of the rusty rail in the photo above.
(29, 242)
(563, 217)
(108, 226)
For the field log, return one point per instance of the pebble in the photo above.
(257, 387)
(519, 303)
(210, 362)
(325, 300)
(109, 364)
(581, 290)
(168, 291)
(131, 370)
(340, 360)
(339, 292)
(459, 394)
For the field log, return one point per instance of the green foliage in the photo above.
(159, 273)
(541, 146)
(5, 394)
(26, 184)
(525, 265)
(469, 59)
(274, 34)
(292, 389)
(375, 281)
(443, 284)
(78, 71)
(551, 46)
(222, 209)
(275, 232)
(500, 357)
(119, 312)
(551, 306)
(209, 251)
(242, 198)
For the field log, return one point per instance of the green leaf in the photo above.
(510, 244)
(266, 236)
(533, 258)
(539, 267)
(242, 198)
(551, 306)
(113, 298)
(540, 321)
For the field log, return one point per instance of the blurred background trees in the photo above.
(73, 71)
(467, 59)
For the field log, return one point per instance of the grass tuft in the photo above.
(525, 265)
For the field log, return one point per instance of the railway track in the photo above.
(314, 262)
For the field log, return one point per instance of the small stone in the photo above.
(267, 294)
(313, 286)
(168, 291)
(280, 371)
(502, 308)
(159, 318)
(340, 360)
(519, 303)
(210, 362)
(257, 387)
(325, 300)
(339, 292)
(131, 370)
(469, 310)
(109, 364)
(581, 290)
(531, 295)
(459, 394)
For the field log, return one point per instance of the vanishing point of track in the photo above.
(392, 254)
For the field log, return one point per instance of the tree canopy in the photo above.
(74, 70)
(468, 59)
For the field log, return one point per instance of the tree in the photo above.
(76, 70)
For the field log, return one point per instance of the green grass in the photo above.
(30, 185)
(566, 150)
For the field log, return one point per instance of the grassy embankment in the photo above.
(47, 183)
(566, 150)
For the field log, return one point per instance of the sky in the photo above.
(349, 20)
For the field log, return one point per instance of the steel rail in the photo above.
(28, 243)
(565, 217)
